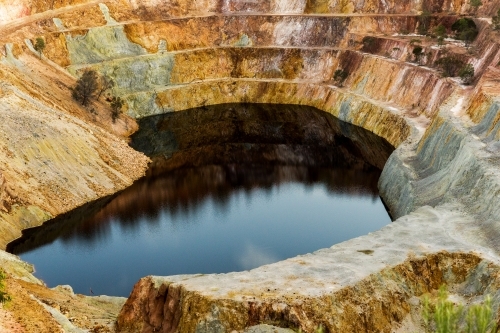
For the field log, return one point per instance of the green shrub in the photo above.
(369, 44)
(480, 318)
(340, 76)
(4, 297)
(418, 53)
(447, 317)
(447, 314)
(449, 65)
(496, 21)
(465, 29)
(39, 46)
(440, 32)
(463, 24)
(466, 73)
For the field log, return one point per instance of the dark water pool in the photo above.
(231, 188)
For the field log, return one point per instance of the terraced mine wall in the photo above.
(441, 184)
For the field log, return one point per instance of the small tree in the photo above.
(475, 4)
(424, 22)
(418, 53)
(465, 29)
(39, 46)
(116, 107)
(440, 32)
(105, 83)
(86, 87)
(466, 73)
(449, 65)
(496, 21)
(369, 44)
(468, 36)
(340, 76)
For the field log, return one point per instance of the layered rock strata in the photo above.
(54, 159)
(441, 183)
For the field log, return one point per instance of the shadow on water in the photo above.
(212, 154)
(257, 134)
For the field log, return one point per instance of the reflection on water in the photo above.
(231, 187)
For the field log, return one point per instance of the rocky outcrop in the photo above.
(363, 285)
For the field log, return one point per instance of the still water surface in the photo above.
(214, 217)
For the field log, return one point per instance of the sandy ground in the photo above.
(26, 313)
(8, 323)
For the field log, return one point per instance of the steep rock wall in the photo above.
(455, 161)
(483, 107)
(54, 158)
(345, 106)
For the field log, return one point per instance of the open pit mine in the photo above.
(371, 63)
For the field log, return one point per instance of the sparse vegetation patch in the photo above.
(475, 4)
(369, 44)
(424, 22)
(4, 297)
(418, 53)
(496, 21)
(449, 65)
(444, 316)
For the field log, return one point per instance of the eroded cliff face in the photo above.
(441, 183)
(56, 156)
